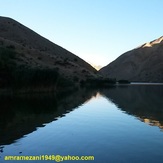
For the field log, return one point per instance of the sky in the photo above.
(97, 31)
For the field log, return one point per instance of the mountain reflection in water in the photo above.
(23, 114)
(103, 123)
(142, 101)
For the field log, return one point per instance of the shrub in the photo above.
(6, 56)
(34, 77)
(39, 58)
(75, 79)
(1, 42)
(123, 81)
(11, 47)
(84, 71)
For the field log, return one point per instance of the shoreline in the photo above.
(145, 83)
(139, 83)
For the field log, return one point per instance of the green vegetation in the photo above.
(18, 77)
(75, 59)
(11, 47)
(75, 79)
(1, 42)
(123, 82)
(34, 77)
(23, 77)
(39, 78)
(100, 82)
(7, 64)
(39, 58)
(6, 58)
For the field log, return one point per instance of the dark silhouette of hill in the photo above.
(23, 49)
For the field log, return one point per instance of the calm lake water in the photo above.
(123, 124)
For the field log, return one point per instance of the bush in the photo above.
(84, 71)
(34, 77)
(123, 81)
(6, 56)
(100, 82)
(11, 47)
(39, 58)
(39, 78)
(75, 79)
(1, 42)
(17, 77)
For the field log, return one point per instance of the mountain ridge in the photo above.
(142, 64)
(152, 43)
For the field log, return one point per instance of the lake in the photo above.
(118, 124)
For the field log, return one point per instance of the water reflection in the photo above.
(24, 114)
(95, 128)
(143, 101)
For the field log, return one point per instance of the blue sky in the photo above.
(96, 30)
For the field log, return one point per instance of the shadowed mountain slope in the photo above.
(34, 51)
(143, 64)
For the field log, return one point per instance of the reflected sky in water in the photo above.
(108, 124)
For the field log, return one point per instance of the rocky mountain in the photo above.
(142, 64)
(26, 49)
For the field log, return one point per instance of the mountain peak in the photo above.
(152, 43)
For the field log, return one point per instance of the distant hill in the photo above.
(97, 67)
(143, 64)
(24, 49)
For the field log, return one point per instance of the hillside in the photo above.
(143, 64)
(23, 49)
